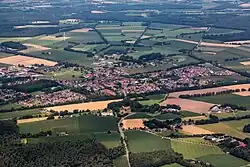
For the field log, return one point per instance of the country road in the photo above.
(123, 137)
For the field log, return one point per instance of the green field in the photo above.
(172, 165)
(75, 125)
(108, 140)
(153, 99)
(144, 142)
(224, 160)
(227, 98)
(65, 56)
(16, 114)
(193, 149)
(139, 115)
(9, 106)
(189, 114)
(120, 162)
(65, 74)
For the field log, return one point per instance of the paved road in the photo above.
(123, 137)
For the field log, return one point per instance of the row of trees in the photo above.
(155, 123)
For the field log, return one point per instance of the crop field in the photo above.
(9, 106)
(233, 128)
(193, 130)
(133, 123)
(224, 160)
(189, 105)
(99, 105)
(144, 142)
(185, 114)
(120, 162)
(65, 56)
(194, 149)
(167, 116)
(90, 48)
(84, 37)
(67, 74)
(16, 114)
(75, 125)
(108, 140)
(232, 114)
(214, 30)
(26, 61)
(227, 98)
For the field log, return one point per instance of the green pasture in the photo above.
(144, 142)
(194, 149)
(3, 55)
(108, 140)
(9, 106)
(172, 165)
(16, 114)
(214, 30)
(75, 125)
(223, 160)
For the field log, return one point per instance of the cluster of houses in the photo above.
(219, 139)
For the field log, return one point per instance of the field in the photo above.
(100, 105)
(133, 123)
(108, 140)
(75, 125)
(227, 98)
(120, 162)
(191, 129)
(172, 165)
(233, 128)
(189, 105)
(29, 120)
(194, 149)
(26, 61)
(224, 160)
(217, 89)
(16, 114)
(144, 142)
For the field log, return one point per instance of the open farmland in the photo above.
(223, 160)
(108, 140)
(99, 105)
(193, 149)
(189, 105)
(233, 128)
(227, 98)
(26, 61)
(145, 142)
(16, 114)
(191, 129)
(133, 123)
(75, 125)
(201, 91)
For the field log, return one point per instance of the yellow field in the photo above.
(53, 38)
(26, 61)
(245, 63)
(34, 48)
(100, 105)
(133, 123)
(82, 30)
(191, 129)
(21, 121)
(246, 93)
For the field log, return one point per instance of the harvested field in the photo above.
(245, 5)
(191, 129)
(21, 121)
(199, 28)
(238, 42)
(210, 53)
(82, 30)
(53, 38)
(246, 93)
(100, 105)
(245, 63)
(209, 44)
(133, 123)
(97, 12)
(189, 105)
(194, 118)
(34, 48)
(218, 89)
(26, 61)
